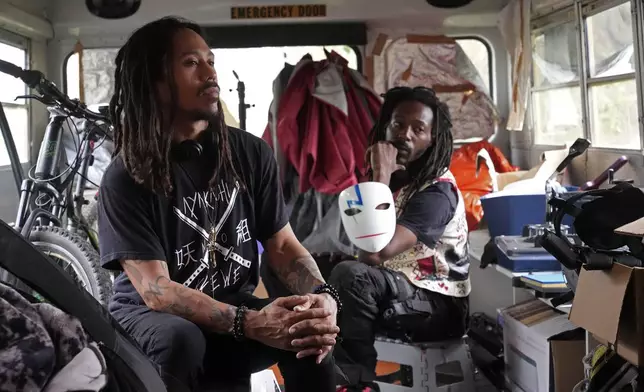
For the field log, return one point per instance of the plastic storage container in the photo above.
(508, 215)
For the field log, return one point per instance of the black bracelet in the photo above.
(238, 323)
(328, 289)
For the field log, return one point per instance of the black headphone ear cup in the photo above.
(198, 149)
(187, 149)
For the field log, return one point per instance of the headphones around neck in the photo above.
(193, 148)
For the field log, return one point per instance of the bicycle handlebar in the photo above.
(37, 81)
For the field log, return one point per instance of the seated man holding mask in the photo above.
(416, 286)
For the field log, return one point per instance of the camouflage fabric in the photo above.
(36, 341)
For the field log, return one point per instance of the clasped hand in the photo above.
(304, 324)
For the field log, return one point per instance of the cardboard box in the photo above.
(505, 179)
(605, 305)
(543, 349)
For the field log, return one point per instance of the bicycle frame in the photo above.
(44, 199)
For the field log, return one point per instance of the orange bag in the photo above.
(463, 167)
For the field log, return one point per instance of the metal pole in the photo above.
(582, 55)
(10, 145)
(637, 15)
(241, 93)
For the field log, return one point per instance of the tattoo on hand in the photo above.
(300, 275)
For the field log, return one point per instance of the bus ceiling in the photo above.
(71, 18)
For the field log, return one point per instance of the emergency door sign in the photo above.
(279, 11)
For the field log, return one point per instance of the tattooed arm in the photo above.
(292, 263)
(269, 325)
(152, 282)
(295, 267)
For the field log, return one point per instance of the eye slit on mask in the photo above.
(352, 211)
(383, 206)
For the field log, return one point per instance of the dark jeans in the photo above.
(191, 359)
(365, 294)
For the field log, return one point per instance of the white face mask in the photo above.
(368, 215)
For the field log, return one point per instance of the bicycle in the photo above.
(50, 203)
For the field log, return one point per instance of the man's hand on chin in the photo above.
(306, 333)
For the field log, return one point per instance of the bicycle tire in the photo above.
(82, 257)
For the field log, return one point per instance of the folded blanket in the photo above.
(36, 342)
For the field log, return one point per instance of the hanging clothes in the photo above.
(323, 120)
(319, 122)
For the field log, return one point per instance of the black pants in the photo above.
(191, 359)
(366, 294)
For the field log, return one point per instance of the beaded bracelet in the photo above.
(328, 289)
(238, 322)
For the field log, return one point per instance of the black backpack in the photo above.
(598, 213)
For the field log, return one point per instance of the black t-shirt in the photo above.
(137, 224)
(429, 211)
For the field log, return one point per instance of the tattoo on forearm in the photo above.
(155, 290)
(179, 304)
(133, 273)
(164, 295)
(300, 275)
(223, 318)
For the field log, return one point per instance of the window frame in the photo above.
(578, 13)
(22, 43)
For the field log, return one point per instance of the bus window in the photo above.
(17, 111)
(479, 54)
(556, 94)
(256, 67)
(612, 92)
(98, 75)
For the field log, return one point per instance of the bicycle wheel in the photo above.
(76, 256)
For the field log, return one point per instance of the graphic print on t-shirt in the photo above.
(194, 256)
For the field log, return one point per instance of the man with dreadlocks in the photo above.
(182, 207)
(417, 287)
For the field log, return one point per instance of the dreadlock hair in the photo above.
(143, 134)
(436, 160)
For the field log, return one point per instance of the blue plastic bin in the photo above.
(508, 215)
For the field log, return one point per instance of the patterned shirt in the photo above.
(439, 261)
